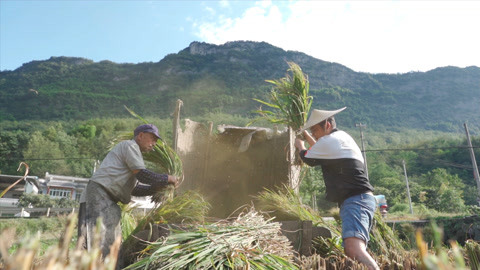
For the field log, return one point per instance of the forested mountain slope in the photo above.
(226, 78)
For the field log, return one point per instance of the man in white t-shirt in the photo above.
(345, 180)
(121, 174)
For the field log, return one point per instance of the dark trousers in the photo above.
(102, 218)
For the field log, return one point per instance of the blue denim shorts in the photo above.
(357, 214)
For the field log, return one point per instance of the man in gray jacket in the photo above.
(121, 174)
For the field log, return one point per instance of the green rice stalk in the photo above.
(128, 221)
(284, 204)
(249, 242)
(327, 247)
(189, 207)
(383, 240)
(289, 99)
(472, 250)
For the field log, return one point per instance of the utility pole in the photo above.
(408, 188)
(361, 126)
(474, 163)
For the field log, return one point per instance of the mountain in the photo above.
(226, 78)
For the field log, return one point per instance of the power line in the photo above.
(67, 158)
(425, 148)
(369, 150)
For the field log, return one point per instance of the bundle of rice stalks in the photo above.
(472, 250)
(249, 242)
(328, 247)
(189, 207)
(59, 256)
(128, 220)
(384, 241)
(318, 262)
(289, 98)
(284, 204)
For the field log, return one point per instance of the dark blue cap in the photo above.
(147, 128)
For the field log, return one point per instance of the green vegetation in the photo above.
(45, 201)
(289, 99)
(50, 229)
(226, 79)
(437, 163)
(61, 115)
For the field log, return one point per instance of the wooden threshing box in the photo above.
(231, 167)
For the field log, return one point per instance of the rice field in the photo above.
(250, 240)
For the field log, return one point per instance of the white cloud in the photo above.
(371, 36)
(224, 3)
(210, 10)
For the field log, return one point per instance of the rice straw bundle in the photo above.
(189, 207)
(285, 204)
(318, 262)
(472, 250)
(289, 98)
(327, 247)
(128, 221)
(249, 242)
(383, 240)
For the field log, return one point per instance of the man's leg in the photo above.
(356, 249)
(101, 207)
(357, 213)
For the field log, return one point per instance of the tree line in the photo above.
(438, 164)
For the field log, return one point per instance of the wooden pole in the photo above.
(361, 126)
(474, 163)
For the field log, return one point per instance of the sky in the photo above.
(366, 36)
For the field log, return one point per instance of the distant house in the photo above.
(61, 186)
(56, 186)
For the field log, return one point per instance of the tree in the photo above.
(44, 155)
(443, 191)
(312, 183)
(11, 145)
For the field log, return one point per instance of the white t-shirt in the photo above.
(336, 145)
(115, 173)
